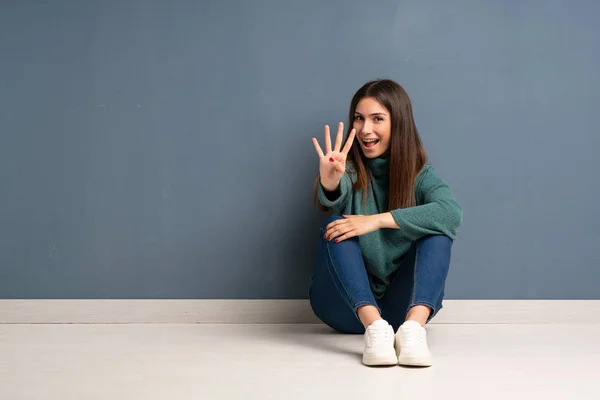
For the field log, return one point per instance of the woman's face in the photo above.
(373, 127)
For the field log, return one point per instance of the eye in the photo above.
(378, 119)
(357, 118)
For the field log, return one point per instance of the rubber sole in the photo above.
(426, 361)
(380, 360)
(415, 361)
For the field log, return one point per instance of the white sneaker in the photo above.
(411, 345)
(379, 344)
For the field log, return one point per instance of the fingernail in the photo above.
(337, 240)
(331, 159)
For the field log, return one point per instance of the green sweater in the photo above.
(436, 212)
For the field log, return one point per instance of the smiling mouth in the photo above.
(370, 143)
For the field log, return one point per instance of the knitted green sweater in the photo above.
(436, 212)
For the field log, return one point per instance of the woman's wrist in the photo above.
(386, 220)
(328, 187)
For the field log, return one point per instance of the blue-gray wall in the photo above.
(162, 149)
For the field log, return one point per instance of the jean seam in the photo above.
(414, 286)
(434, 309)
(421, 303)
(364, 303)
(353, 304)
(348, 298)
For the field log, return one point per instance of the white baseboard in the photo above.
(278, 312)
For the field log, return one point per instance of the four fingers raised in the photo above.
(338, 141)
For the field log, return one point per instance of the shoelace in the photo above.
(412, 337)
(378, 336)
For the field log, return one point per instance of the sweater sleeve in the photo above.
(439, 212)
(343, 194)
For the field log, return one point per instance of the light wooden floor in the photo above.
(292, 362)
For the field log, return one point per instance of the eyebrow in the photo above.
(356, 112)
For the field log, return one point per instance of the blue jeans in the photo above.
(340, 284)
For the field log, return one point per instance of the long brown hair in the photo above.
(407, 154)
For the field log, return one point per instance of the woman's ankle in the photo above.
(419, 314)
(368, 314)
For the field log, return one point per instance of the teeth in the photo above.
(369, 140)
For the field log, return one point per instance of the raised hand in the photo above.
(332, 163)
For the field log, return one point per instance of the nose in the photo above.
(366, 127)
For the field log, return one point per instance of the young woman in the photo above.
(383, 258)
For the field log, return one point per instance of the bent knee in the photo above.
(330, 220)
(437, 240)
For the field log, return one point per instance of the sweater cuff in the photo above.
(399, 218)
(344, 189)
